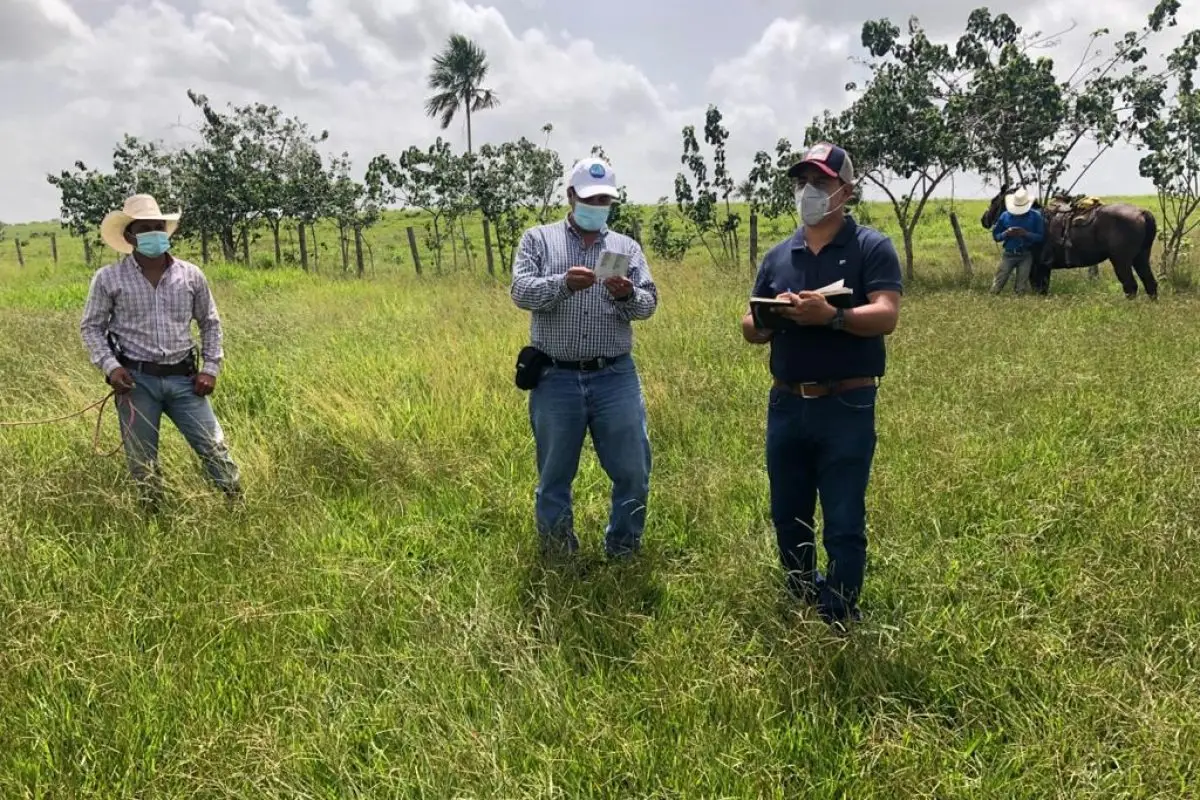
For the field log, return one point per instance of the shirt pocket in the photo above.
(179, 306)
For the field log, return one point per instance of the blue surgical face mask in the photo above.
(590, 218)
(153, 243)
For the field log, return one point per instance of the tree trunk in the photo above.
(467, 106)
(345, 244)
(275, 223)
(228, 246)
(87, 250)
(316, 248)
(246, 245)
(908, 253)
(300, 230)
(204, 248)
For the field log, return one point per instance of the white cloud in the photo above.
(358, 68)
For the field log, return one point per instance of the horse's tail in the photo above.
(1149, 237)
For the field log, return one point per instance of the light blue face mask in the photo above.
(153, 243)
(590, 218)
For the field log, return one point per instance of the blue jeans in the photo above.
(141, 412)
(822, 446)
(563, 408)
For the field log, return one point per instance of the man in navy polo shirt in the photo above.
(826, 363)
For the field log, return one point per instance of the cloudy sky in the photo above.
(76, 74)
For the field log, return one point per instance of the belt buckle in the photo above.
(805, 396)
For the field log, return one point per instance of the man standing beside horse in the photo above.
(1021, 228)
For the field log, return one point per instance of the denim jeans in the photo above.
(608, 403)
(141, 412)
(822, 446)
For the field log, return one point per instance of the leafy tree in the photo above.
(433, 180)
(905, 126)
(623, 218)
(665, 242)
(515, 181)
(354, 206)
(699, 204)
(1173, 163)
(147, 167)
(86, 196)
(214, 179)
(1020, 119)
(457, 78)
(500, 192)
(768, 189)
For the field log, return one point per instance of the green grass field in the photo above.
(375, 622)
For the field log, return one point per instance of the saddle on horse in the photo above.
(1065, 213)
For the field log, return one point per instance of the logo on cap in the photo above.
(818, 152)
(596, 170)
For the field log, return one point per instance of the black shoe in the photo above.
(841, 623)
(558, 546)
(803, 591)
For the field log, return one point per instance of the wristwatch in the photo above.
(838, 322)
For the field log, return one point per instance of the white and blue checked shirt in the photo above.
(150, 324)
(577, 326)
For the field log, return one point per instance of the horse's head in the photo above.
(995, 207)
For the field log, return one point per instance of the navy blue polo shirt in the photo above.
(867, 261)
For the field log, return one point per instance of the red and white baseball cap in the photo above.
(829, 158)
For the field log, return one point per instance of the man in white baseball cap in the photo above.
(579, 369)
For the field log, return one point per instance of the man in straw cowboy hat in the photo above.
(1020, 227)
(137, 328)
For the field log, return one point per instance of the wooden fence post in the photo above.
(412, 245)
(754, 240)
(962, 245)
(20, 255)
(54, 248)
(487, 248)
(358, 253)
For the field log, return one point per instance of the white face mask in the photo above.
(812, 204)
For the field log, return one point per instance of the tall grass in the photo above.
(375, 621)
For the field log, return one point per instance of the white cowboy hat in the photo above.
(139, 206)
(1018, 202)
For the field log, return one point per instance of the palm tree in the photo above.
(457, 74)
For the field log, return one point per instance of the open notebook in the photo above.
(838, 294)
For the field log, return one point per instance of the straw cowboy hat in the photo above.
(139, 206)
(1018, 202)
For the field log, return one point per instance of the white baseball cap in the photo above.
(593, 176)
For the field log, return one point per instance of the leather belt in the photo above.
(591, 364)
(185, 367)
(809, 390)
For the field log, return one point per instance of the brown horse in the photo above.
(1118, 232)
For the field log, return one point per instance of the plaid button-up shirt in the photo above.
(576, 326)
(148, 323)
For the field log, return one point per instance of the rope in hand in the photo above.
(95, 433)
